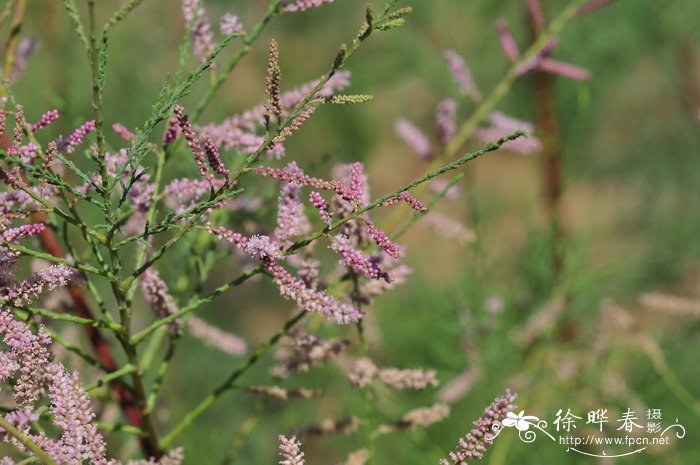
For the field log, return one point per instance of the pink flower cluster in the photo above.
(541, 61)
(356, 260)
(45, 120)
(302, 5)
(461, 74)
(69, 144)
(473, 445)
(410, 200)
(414, 138)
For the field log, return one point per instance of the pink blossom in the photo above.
(45, 120)
(382, 240)
(536, 14)
(446, 120)
(172, 131)
(322, 206)
(290, 450)
(461, 74)
(69, 144)
(156, 294)
(214, 157)
(27, 355)
(410, 200)
(193, 142)
(563, 69)
(25, 49)
(473, 445)
(262, 248)
(414, 138)
(510, 48)
(182, 194)
(356, 260)
(592, 5)
(291, 220)
(302, 5)
(196, 18)
(49, 278)
(215, 337)
(312, 299)
(230, 24)
(123, 132)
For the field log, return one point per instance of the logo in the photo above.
(631, 435)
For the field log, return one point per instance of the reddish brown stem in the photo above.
(547, 121)
(690, 78)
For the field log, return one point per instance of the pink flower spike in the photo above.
(291, 220)
(214, 157)
(76, 137)
(414, 138)
(566, 70)
(293, 6)
(502, 125)
(215, 337)
(353, 258)
(536, 15)
(196, 19)
(591, 6)
(232, 237)
(51, 277)
(172, 131)
(357, 181)
(297, 176)
(410, 200)
(461, 75)
(310, 299)
(230, 24)
(193, 142)
(510, 48)
(45, 120)
(382, 240)
(123, 132)
(446, 120)
(473, 445)
(25, 230)
(290, 450)
(323, 207)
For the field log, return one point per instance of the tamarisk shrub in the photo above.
(101, 221)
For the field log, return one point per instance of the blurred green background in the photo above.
(631, 142)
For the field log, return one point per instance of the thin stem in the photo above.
(192, 306)
(53, 259)
(432, 174)
(13, 39)
(119, 15)
(125, 370)
(68, 318)
(244, 432)
(72, 11)
(436, 198)
(229, 383)
(273, 10)
(27, 442)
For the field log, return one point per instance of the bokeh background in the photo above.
(629, 212)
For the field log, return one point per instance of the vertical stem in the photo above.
(551, 157)
(13, 39)
(94, 56)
